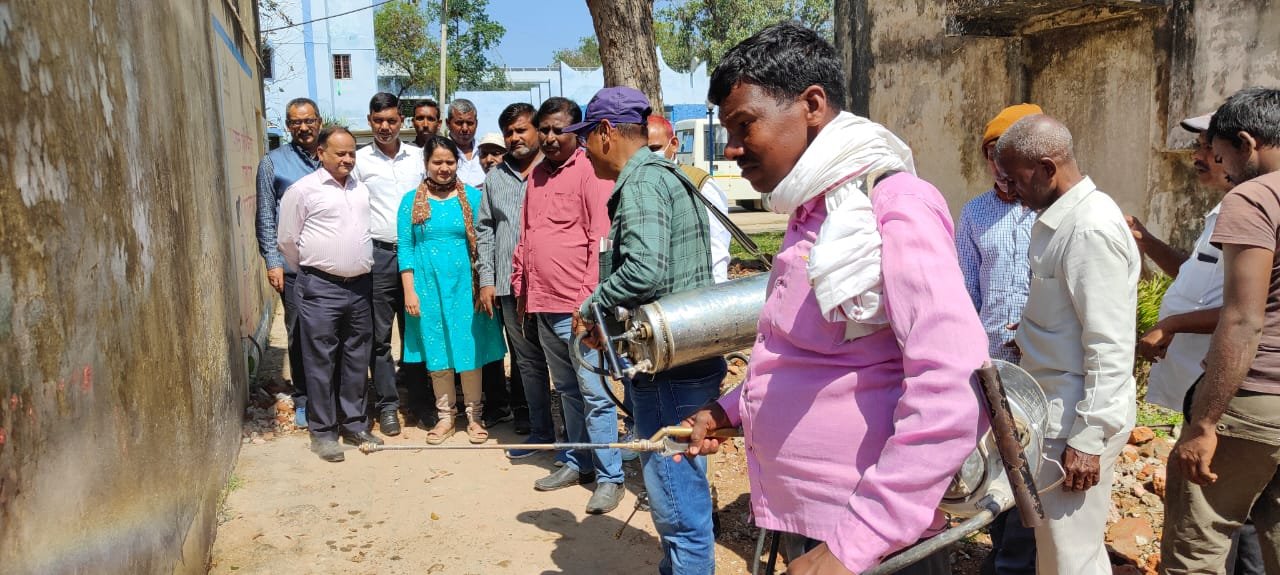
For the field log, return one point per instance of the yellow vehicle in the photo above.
(694, 146)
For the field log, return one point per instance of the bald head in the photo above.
(1035, 160)
(662, 139)
(1037, 136)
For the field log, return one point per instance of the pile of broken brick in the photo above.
(1137, 503)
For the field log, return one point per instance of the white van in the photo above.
(693, 152)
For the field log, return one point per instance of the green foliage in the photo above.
(1150, 294)
(586, 55)
(406, 36)
(768, 242)
(692, 31)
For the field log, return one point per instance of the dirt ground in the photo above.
(447, 512)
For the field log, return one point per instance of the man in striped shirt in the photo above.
(497, 233)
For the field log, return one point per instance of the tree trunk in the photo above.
(625, 31)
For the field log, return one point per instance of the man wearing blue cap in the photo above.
(659, 243)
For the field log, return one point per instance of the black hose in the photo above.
(608, 389)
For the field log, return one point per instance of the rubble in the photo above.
(1137, 514)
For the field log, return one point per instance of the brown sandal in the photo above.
(476, 433)
(442, 431)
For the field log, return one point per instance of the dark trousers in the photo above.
(1245, 557)
(388, 306)
(335, 326)
(289, 299)
(1013, 546)
(497, 396)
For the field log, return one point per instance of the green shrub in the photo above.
(1150, 293)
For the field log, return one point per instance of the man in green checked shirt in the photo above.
(659, 243)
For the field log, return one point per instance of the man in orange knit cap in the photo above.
(992, 240)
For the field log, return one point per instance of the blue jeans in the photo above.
(679, 495)
(527, 357)
(589, 413)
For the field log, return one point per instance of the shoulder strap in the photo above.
(695, 174)
(743, 239)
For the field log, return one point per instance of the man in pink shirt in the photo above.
(556, 266)
(324, 233)
(858, 407)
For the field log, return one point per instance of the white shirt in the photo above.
(1197, 287)
(720, 237)
(470, 171)
(388, 180)
(1077, 330)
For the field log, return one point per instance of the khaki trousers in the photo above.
(1071, 541)
(1199, 521)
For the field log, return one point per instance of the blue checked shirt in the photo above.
(992, 241)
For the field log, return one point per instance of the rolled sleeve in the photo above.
(1091, 263)
(937, 417)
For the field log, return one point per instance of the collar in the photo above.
(543, 165)
(401, 151)
(642, 157)
(1053, 215)
(309, 158)
(327, 179)
(513, 171)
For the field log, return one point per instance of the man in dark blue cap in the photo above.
(659, 243)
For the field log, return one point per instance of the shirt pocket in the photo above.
(564, 208)
(795, 312)
(1048, 304)
(1200, 278)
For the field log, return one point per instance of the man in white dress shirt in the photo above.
(1076, 335)
(462, 130)
(389, 168)
(663, 141)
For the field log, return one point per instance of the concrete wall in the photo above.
(127, 283)
(1121, 74)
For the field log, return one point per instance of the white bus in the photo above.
(693, 152)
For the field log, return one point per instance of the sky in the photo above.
(537, 28)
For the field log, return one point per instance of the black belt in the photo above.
(388, 246)
(331, 277)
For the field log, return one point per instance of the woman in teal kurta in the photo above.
(444, 328)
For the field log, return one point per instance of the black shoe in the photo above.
(522, 426)
(388, 423)
(605, 499)
(564, 477)
(327, 449)
(360, 437)
(493, 417)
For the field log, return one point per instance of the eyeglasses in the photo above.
(306, 121)
(584, 134)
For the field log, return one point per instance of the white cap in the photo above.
(492, 139)
(1197, 124)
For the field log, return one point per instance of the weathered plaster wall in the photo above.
(122, 310)
(1120, 73)
(935, 92)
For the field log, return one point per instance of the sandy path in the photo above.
(446, 512)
